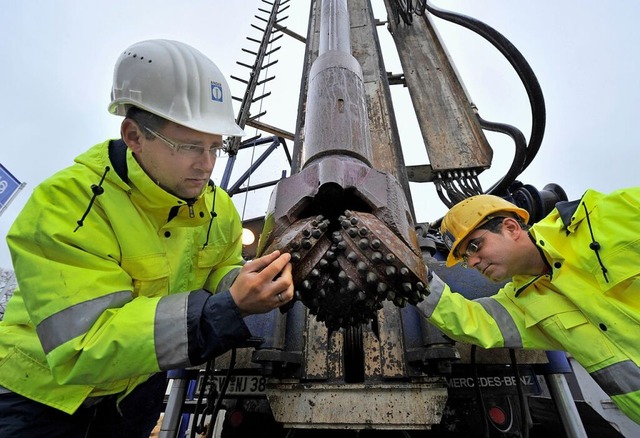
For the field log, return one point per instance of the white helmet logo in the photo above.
(216, 91)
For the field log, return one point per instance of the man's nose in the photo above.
(206, 160)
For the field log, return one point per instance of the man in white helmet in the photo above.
(129, 262)
(574, 283)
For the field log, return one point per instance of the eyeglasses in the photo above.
(186, 149)
(472, 248)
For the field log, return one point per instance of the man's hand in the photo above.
(263, 284)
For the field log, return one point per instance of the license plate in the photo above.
(242, 386)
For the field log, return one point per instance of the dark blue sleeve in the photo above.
(214, 325)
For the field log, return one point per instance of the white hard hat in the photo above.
(176, 82)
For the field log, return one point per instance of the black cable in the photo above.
(520, 65)
(196, 412)
(524, 415)
(519, 158)
(223, 391)
(476, 381)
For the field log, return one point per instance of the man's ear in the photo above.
(132, 135)
(511, 226)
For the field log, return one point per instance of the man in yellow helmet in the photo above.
(574, 283)
(129, 261)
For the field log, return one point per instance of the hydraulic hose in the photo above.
(519, 156)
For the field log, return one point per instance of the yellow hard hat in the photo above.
(463, 218)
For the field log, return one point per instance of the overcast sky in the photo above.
(58, 58)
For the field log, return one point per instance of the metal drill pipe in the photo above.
(346, 224)
(337, 122)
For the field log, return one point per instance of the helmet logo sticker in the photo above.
(216, 91)
(448, 239)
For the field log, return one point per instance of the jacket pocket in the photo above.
(208, 259)
(150, 274)
(579, 337)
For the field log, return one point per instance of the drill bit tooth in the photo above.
(361, 267)
(363, 244)
(295, 257)
(363, 231)
(390, 258)
(372, 278)
(352, 257)
(376, 256)
(375, 243)
(391, 271)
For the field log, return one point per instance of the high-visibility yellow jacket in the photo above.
(105, 282)
(588, 305)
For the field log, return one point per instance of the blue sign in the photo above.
(9, 186)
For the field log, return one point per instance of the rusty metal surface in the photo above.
(451, 132)
(358, 406)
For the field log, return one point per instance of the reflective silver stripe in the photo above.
(618, 379)
(4, 390)
(507, 326)
(428, 305)
(170, 330)
(226, 281)
(76, 320)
